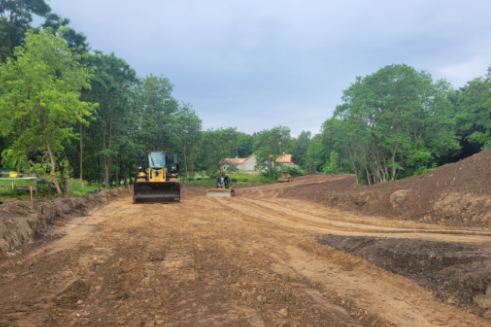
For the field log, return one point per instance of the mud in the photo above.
(457, 194)
(26, 222)
(454, 272)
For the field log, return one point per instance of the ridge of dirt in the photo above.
(457, 194)
(454, 272)
(23, 222)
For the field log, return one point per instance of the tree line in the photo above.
(67, 110)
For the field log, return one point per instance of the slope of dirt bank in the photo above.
(23, 222)
(454, 272)
(457, 194)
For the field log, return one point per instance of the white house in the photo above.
(249, 163)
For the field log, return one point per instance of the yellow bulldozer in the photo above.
(157, 181)
(285, 177)
(223, 188)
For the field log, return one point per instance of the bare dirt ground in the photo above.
(253, 260)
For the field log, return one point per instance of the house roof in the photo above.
(235, 160)
(285, 158)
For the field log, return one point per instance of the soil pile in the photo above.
(454, 272)
(22, 222)
(457, 194)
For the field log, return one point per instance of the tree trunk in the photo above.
(53, 163)
(106, 173)
(81, 152)
(67, 187)
(117, 173)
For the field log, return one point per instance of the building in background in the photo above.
(249, 163)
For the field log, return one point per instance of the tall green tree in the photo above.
(190, 136)
(111, 86)
(396, 120)
(40, 98)
(300, 146)
(269, 145)
(15, 20)
(313, 157)
(474, 112)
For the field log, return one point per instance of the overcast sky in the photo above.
(256, 64)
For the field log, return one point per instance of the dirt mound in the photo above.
(22, 222)
(456, 273)
(456, 194)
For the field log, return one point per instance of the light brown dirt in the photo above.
(252, 260)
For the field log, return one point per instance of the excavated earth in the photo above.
(258, 259)
(457, 194)
(454, 272)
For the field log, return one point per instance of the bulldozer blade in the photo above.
(156, 192)
(220, 193)
(282, 179)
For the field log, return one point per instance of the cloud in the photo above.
(461, 73)
(257, 64)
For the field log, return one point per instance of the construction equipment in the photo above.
(286, 177)
(157, 178)
(223, 188)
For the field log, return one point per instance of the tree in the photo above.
(40, 98)
(158, 114)
(299, 149)
(269, 145)
(190, 136)
(112, 83)
(313, 156)
(15, 19)
(334, 138)
(331, 167)
(474, 112)
(395, 120)
(215, 148)
(244, 145)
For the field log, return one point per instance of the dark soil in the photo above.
(457, 194)
(453, 272)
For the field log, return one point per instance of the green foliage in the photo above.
(12, 160)
(40, 95)
(294, 171)
(300, 146)
(314, 156)
(331, 167)
(474, 112)
(41, 169)
(395, 120)
(15, 19)
(189, 133)
(269, 145)
(423, 169)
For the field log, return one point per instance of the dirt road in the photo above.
(252, 260)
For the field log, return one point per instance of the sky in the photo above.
(256, 64)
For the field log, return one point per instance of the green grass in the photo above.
(44, 192)
(239, 178)
(77, 189)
